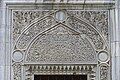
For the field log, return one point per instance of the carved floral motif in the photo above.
(99, 19)
(23, 18)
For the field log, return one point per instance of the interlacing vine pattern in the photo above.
(92, 34)
(76, 38)
(99, 20)
(24, 18)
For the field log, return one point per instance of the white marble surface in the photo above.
(1, 72)
(2, 45)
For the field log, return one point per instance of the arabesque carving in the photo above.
(61, 45)
(87, 30)
(24, 18)
(99, 20)
(31, 32)
(45, 40)
(75, 23)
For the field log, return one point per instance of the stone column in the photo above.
(2, 43)
(116, 44)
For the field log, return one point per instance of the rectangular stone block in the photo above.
(2, 73)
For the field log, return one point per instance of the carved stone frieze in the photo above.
(60, 70)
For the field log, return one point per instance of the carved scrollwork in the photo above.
(17, 71)
(33, 30)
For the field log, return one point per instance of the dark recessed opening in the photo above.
(60, 77)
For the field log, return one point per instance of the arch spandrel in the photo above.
(21, 19)
(61, 45)
(98, 19)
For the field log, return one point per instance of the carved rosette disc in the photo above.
(103, 56)
(17, 56)
(60, 15)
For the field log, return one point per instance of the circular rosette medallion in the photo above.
(17, 56)
(103, 56)
(60, 15)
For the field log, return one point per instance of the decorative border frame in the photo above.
(9, 17)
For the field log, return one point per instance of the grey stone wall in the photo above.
(1, 44)
(115, 41)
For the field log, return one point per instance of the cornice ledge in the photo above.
(56, 2)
